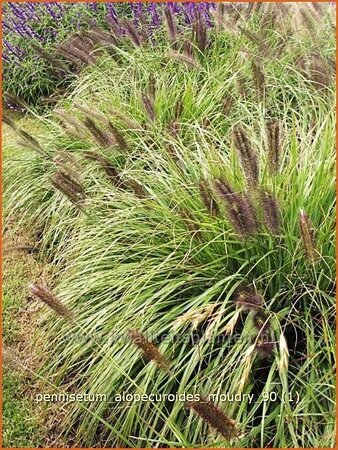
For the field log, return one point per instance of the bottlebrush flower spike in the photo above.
(261, 321)
(132, 32)
(307, 235)
(259, 80)
(200, 32)
(118, 136)
(149, 350)
(101, 137)
(69, 187)
(188, 49)
(171, 26)
(214, 417)
(248, 298)
(264, 347)
(271, 212)
(189, 61)
(152, 86)
(43, 294)
(248, 156)
(9, 122)
(107, 166)
(207, 198)
(239, 209)
(50, 58)
(149, 107)
(274, 145)
(227, 103)
(178, 110)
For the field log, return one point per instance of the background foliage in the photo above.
(112, 184)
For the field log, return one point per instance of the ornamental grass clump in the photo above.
(206, 223)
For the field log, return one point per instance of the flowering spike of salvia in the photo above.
(248, 298)
(149, 350)
(207, 198)
(239, 208)
(258, 79)
(44, 295)
(214, 417)
(114, 27)
(307, 235)
(274, 145)
(69, 187)
(248, 156)
(171, 26)
(149, 107)
(102, 137)
(118, 136)
(271, 212)
(132, 32)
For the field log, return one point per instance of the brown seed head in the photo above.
(274, 145)
(248, 156)
(149, 107)
(214, 417)
(149, 350)
(307, 235)
(132, 32)
(248, 298)
(238, 207)
(171, 26)
(258, 79)
(69, 186)
(101, 136)
(207, 198)
(271, 212)
(44, 295)
(118, 136)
